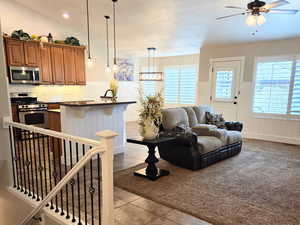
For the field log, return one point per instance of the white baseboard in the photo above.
(273, 138)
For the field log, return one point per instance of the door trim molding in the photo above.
(241, 59)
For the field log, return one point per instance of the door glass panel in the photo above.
(224, 84)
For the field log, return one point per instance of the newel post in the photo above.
(107, 158)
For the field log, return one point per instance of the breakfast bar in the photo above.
(86, 118)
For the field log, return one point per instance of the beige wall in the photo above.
(273, 129)
(249, 50)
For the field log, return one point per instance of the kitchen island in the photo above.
(86, 118)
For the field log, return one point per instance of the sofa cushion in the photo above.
(208, 144)
(200, 112)
(191, 116)
(173, 117)
(203, 129)
(233, 136)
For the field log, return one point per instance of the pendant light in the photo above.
(88, 33)
(151, 74)
(108, 70)
(115, 66)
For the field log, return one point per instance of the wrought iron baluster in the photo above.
(99, 188)
(92, 190)
(67, 189)
(84, 188)
(60, 176)
(78, 186)
(23, 149)
(27, 162)
(40, 167)
(31, 164)
(17, 159)
(35, 165)
(45, 166)
(12, 156)
(72, 185)
(50, 174)
(55, 171)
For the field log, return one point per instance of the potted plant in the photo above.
(150, 115)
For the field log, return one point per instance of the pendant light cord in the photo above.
(107, 41)
(88, 28)
(115, 48)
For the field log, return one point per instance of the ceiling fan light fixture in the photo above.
(261, 19)
(251, 21)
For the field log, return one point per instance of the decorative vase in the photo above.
(114, 86)
(148, 130)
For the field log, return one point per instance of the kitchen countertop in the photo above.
(54, 110)
(57, 102)
(95, 103)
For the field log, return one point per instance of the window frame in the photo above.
(179, 67)
(275, 58)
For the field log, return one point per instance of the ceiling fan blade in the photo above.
(224, 17)
(233, 7)
(276, 4)
(284, 11)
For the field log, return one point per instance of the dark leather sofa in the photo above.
(199, 144)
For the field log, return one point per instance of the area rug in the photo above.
(260, 186)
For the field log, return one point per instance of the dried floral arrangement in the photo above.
(150, 115)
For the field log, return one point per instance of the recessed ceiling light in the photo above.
(66, 16)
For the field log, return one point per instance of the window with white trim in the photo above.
(180, 84)
(277, 86)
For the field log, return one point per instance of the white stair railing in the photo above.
(25, 140)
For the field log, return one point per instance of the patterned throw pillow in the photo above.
(215, 119)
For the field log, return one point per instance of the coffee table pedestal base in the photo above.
(160, 173)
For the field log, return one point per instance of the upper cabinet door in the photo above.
(80, 66)
(57, 58)
(69, 65)
(32, 54)
(46, 67)
(15, 52)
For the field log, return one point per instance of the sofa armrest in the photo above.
(188, 138)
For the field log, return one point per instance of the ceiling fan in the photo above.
(256, 10)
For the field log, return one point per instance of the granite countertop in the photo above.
(95, 103)
(54, 110)
(57, 102)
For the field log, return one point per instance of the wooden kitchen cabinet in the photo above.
(54, 124)
(15, 52)
(46, 66)
(59, 64)
(32, 53)
(57, 58)
(69, 65)
(80, 66)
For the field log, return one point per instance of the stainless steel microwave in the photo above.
(24, 75)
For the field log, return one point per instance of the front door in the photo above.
(225, 87)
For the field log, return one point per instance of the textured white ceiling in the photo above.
(173, 26)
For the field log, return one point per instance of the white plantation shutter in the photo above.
(295, 102)
(180, 84)
(277, 86)
(272, 87)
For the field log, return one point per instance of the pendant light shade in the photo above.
(115, 66)
(151, 74)
(108, 69)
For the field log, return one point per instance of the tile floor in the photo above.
(131, 209)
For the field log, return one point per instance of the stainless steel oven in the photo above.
(34, 114)
(24, 75)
